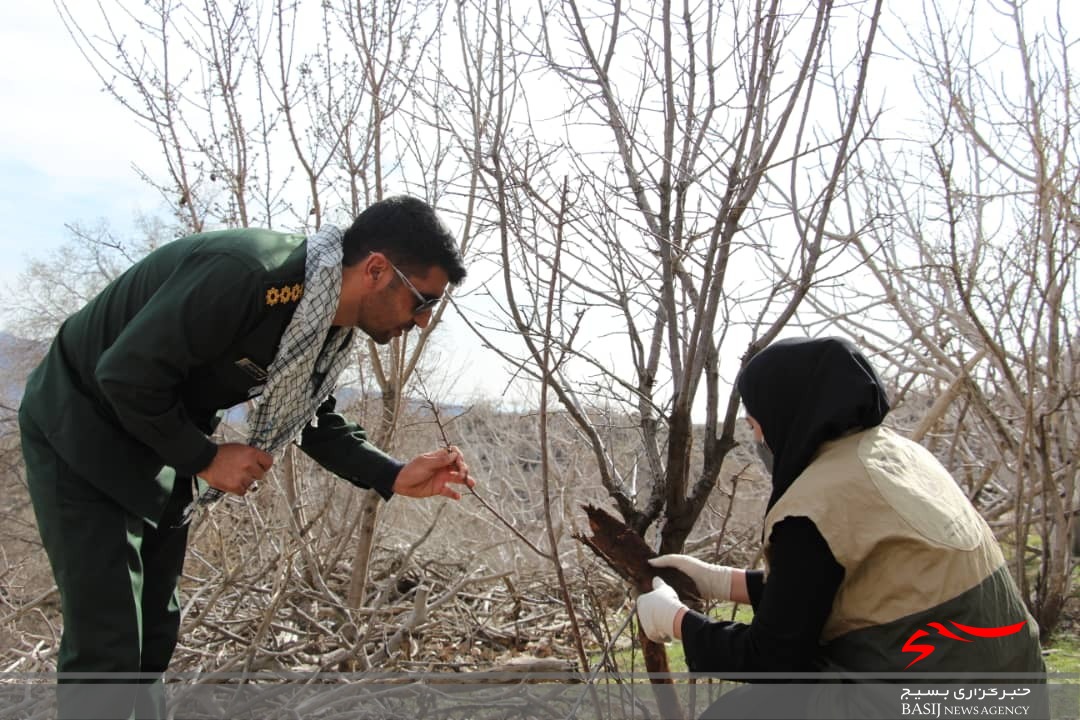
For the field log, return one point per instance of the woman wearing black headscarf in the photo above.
(875, 560)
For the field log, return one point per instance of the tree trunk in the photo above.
(628, 555)
(369, 515)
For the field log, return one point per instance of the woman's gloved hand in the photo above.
(658, 610)
(713, 581)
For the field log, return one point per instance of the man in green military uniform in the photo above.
(116, 418)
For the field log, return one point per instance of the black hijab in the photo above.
(807, 391)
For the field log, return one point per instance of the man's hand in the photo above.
(432, 473)
(713, 581)
(236, 467)
(660, 611)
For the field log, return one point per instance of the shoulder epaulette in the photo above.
(284, 294)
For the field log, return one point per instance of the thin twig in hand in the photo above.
(447, 445)
(510, 527)
(434, 410)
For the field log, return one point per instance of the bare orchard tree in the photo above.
(654, 183)
(379, 138)
(977, 265)
(181, 71)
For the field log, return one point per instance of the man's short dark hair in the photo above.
(406, 230)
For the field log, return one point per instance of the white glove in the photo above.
(713, 581)
(656, 611)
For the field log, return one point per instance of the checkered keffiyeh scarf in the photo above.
(309, 359)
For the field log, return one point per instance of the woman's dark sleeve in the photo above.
(789, 614)
(755, 583)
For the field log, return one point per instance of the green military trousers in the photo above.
(117, 575)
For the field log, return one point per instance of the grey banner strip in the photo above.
(512, 695)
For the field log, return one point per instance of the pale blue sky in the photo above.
(66, 148)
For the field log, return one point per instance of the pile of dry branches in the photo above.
(268, 605)
(267, 580)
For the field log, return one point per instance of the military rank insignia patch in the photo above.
(284, 294)
(252, 369)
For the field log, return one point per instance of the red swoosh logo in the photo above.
(925, 650)
(991, 632)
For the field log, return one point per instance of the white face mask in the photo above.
(764, 454)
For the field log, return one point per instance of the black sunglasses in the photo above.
(424, 302)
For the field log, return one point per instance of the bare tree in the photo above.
(627, 159)
(677, 127)
(974, 256)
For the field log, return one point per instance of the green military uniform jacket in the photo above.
(136, 380)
